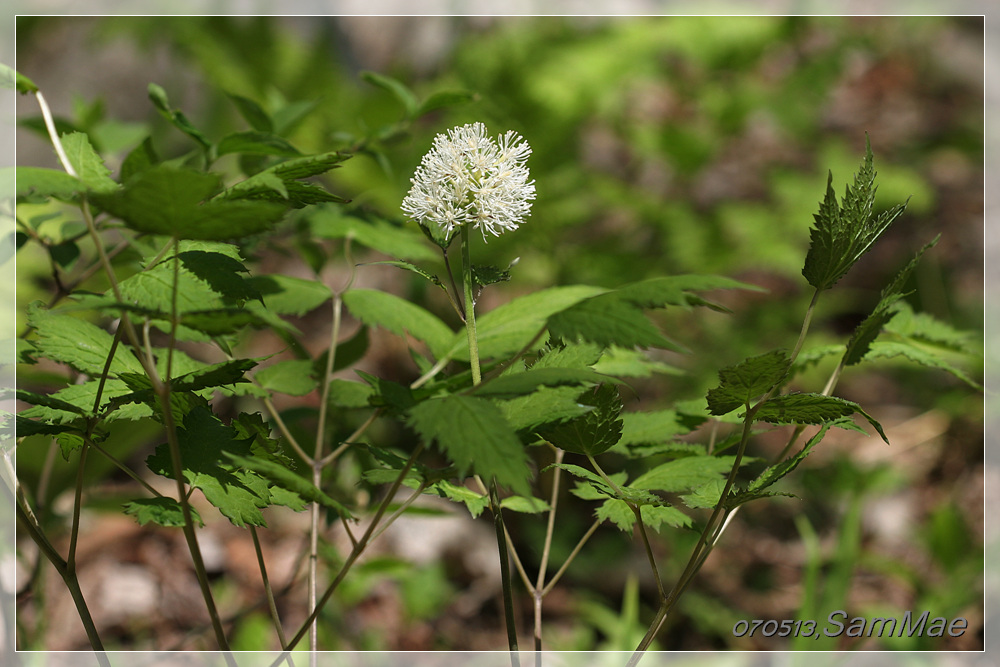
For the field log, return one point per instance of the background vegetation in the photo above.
(661, 146)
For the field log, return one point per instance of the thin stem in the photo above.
(508, 592)
(352, 438)
(470, 308)
(270, 593)
(569, 559)
(399, 511)
(456, 304)
(353, 556)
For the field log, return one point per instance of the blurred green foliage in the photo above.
(660, 146)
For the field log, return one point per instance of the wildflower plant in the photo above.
(526, 392)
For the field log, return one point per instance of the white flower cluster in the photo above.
(468, 178)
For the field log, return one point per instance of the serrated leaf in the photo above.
(705, 496)
(740, 384)
(487, 274)
(653, 427)
(843, 232)
(684, 474)
(508, 328)
(918, 355)
(285, 295)
(772, 474)
(607, 320)
(77, 343)
(204, 443)
(474, 435)
(82, 396)
(348, 394)
(170, 201)
(548, 405)
(89, 166)
(49, 401)
(388, 239)
(23, 427)
(381, 309)
(393, 395)
(396, 87)
(594, 432)
(926, 329)
(38, 181)
(811, 409)
(526, 382)
(69, 443)
(871, 326)
(160, 511)
(575, 355)
(622, 362)
(596, 488)
(256, 143)
(619, 513)
(475, 502)
(524, 505)
(288, 480)
(292, 377)
(677, 290)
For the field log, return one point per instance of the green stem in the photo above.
(508, 589)
(356, 552)
(470, 308)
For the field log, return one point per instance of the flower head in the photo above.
(467, 178)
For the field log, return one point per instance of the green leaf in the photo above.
(926, 329)
(87, 163)
(205, 443)
(811, 409)
(348, 394)
(158, 96)
(677, 290)
(441, 99)
(82, 396)
(397, 88)
(77, 343)
(288, 377)
(69, 443)
(574, 355)
(22, 84)
(256, 143)
(705, 496)
(619, 513)
(740, 384)
(622, 362)
(843, 232)
(24, 426)
(518, 384)
(772, 474)
(252, 113)
(285, 295)
(684, 474)
(653, 427)
(510, 327)
(290, 481)
(169, 201)
(474, 435)
(397, 397)
(918, 355)
(475, 502)
(546, 406)
(139, 159)
(487, 274)
(525, 505)
(160, 511)
(49, 401)
(381, 309)
(388, 239)
(38, 181)
(871, 326)
(594, 432)
(607, 320)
